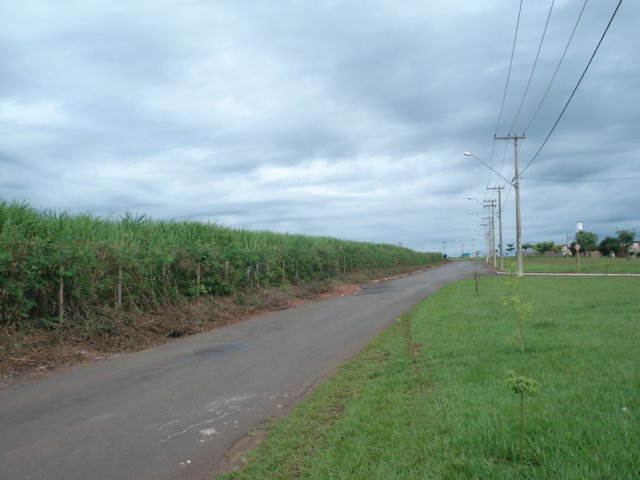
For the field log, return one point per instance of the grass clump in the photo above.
(427, 398)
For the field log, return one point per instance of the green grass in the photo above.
(538, 263)
(428, 398)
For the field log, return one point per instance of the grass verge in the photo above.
(601, 265)
(428, 398)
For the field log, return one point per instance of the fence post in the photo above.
(198, 279)
(61, 298)
(119, 289)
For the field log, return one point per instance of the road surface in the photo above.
(175, 411)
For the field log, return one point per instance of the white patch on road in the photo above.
(231, 403)
(167, 424)
(207, 433)
(222, 408)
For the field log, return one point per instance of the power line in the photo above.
(506, 87)
(535, 114)
(535, 62)
(504, 156)
(582, 180)
(504, 204)
(574, 90)
(493, 153)
(490, 174)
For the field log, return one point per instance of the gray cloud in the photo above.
(346, 119)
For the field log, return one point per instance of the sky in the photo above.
(345, 119)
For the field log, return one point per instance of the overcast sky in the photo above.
(340, 118)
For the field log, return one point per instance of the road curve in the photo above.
(173, 412)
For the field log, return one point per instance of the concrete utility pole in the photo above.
(499, 189)
(516, 187)
(492, 228)
(486, 241)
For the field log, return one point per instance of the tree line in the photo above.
(620, 245)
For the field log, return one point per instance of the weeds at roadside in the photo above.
(108, 332)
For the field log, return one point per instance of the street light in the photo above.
(475, 199)
(515, 183)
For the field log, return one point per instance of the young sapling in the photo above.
(521, 385)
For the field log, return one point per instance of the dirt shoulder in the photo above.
(34, 352)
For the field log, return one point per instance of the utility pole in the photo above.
(516, 187)
(499, 189)
(444, 248)
(492, 229)
(486, 240)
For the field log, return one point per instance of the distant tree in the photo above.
(527, 246)
(544, 247)
(510, 248)
(608, 245)
(588, 242)
(626, 238)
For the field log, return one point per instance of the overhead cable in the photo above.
(574, 90)
(582, 180)
(506, 87)
(535, 62)
(535, 114)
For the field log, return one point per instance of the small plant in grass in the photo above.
(476, 277)
(521, 313)
(521, 310)
(521, 385)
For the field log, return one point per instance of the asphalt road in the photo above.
(174, 412)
